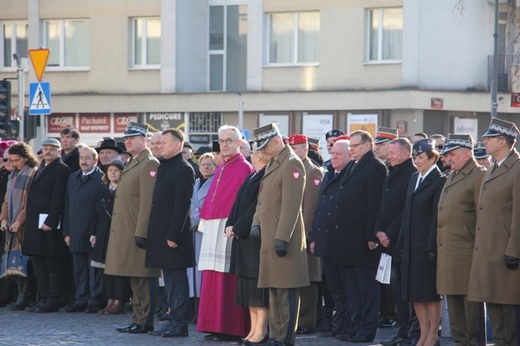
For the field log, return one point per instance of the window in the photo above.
(385, 28)
(146, 42)
(293, 38)
(69, 42)
(227, 48)
(14, 40)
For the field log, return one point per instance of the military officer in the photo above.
(482, 157)
(129, 228)
(494, 277)
(457, 216)
(313, 178)
(331, 137)
(382, 143)
(278, 217)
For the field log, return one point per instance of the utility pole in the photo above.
(494, 81)
(21, 96)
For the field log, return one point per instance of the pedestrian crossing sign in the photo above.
(40, 97)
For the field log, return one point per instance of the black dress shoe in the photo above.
(361, 338)
(140, 329)
(75, 308)
(46, 309)
(176, 332)
(92, 309)
(127, 328)
(264, 341)
(395, 341)
(34, 307)
(224, 337)
(166, 328)
(304, 331)
(338, 327)
(274, 342)
(344, 336)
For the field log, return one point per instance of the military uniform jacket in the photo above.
(313, 178)
(497, 234)
(170, 216)
(279, 216)
(390, 213)
(357, 203)
(130, 218)
(457, 217)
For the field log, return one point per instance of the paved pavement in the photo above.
(24, 328)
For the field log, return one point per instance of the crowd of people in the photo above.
(258, 241)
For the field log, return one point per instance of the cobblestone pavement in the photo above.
(24, 328)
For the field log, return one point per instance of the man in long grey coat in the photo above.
(494, 277)
(129, 229)
(278, 218)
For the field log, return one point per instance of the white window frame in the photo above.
(379, 59)
(221, 52)
(13, 43)
(295, 62)
(62, 66)
(144, 45)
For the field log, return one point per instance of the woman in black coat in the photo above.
(116, 287)
(245, 253)
(418, 241)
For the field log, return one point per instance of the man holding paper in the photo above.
(43, 239)
(388, 223)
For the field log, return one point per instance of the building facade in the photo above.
(308, 65)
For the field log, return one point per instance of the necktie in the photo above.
(494, 168)
(419, 184)
(84, 177)
(40, 170)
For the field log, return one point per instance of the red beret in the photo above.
(347, 137)
(297, 139)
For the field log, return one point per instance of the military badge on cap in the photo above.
(385, 134)
(480, 152)
(499, 127)
(264, 134)
(297, 139)
(422, 146)
(136, 129)
(458, 141)
(333, 133)
(314, 143)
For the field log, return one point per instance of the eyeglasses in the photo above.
(352, 146)
(226, 141)
(5, 160)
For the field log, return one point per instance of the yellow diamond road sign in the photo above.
(39, 60)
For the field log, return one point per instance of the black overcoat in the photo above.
(245, 252)
(357, 203)
(390, 213)
(46, 196)
(170, 216)
(418, 236)
(80, 209)
(101, 225)
(324, 223)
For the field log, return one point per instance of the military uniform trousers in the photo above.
(143, 300)
(467, 321)
(505, 323)
(284, 307)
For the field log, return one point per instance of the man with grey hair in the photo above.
(155, 144)
(83, 194)
(218, 314)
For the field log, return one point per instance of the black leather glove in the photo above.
(512, 262)
(280, 247)
(140, 242)
(255, 232)
(432, 256)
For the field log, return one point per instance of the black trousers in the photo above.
(50, 274)
(117, 287)
(177, 292)
(363, 295)
(337, 290)
(87, 280)
(403, 307)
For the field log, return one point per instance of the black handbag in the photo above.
(14, 263)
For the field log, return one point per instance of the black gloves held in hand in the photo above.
(255, 232)
(512, 262)
(280, 247)
(140, 242)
